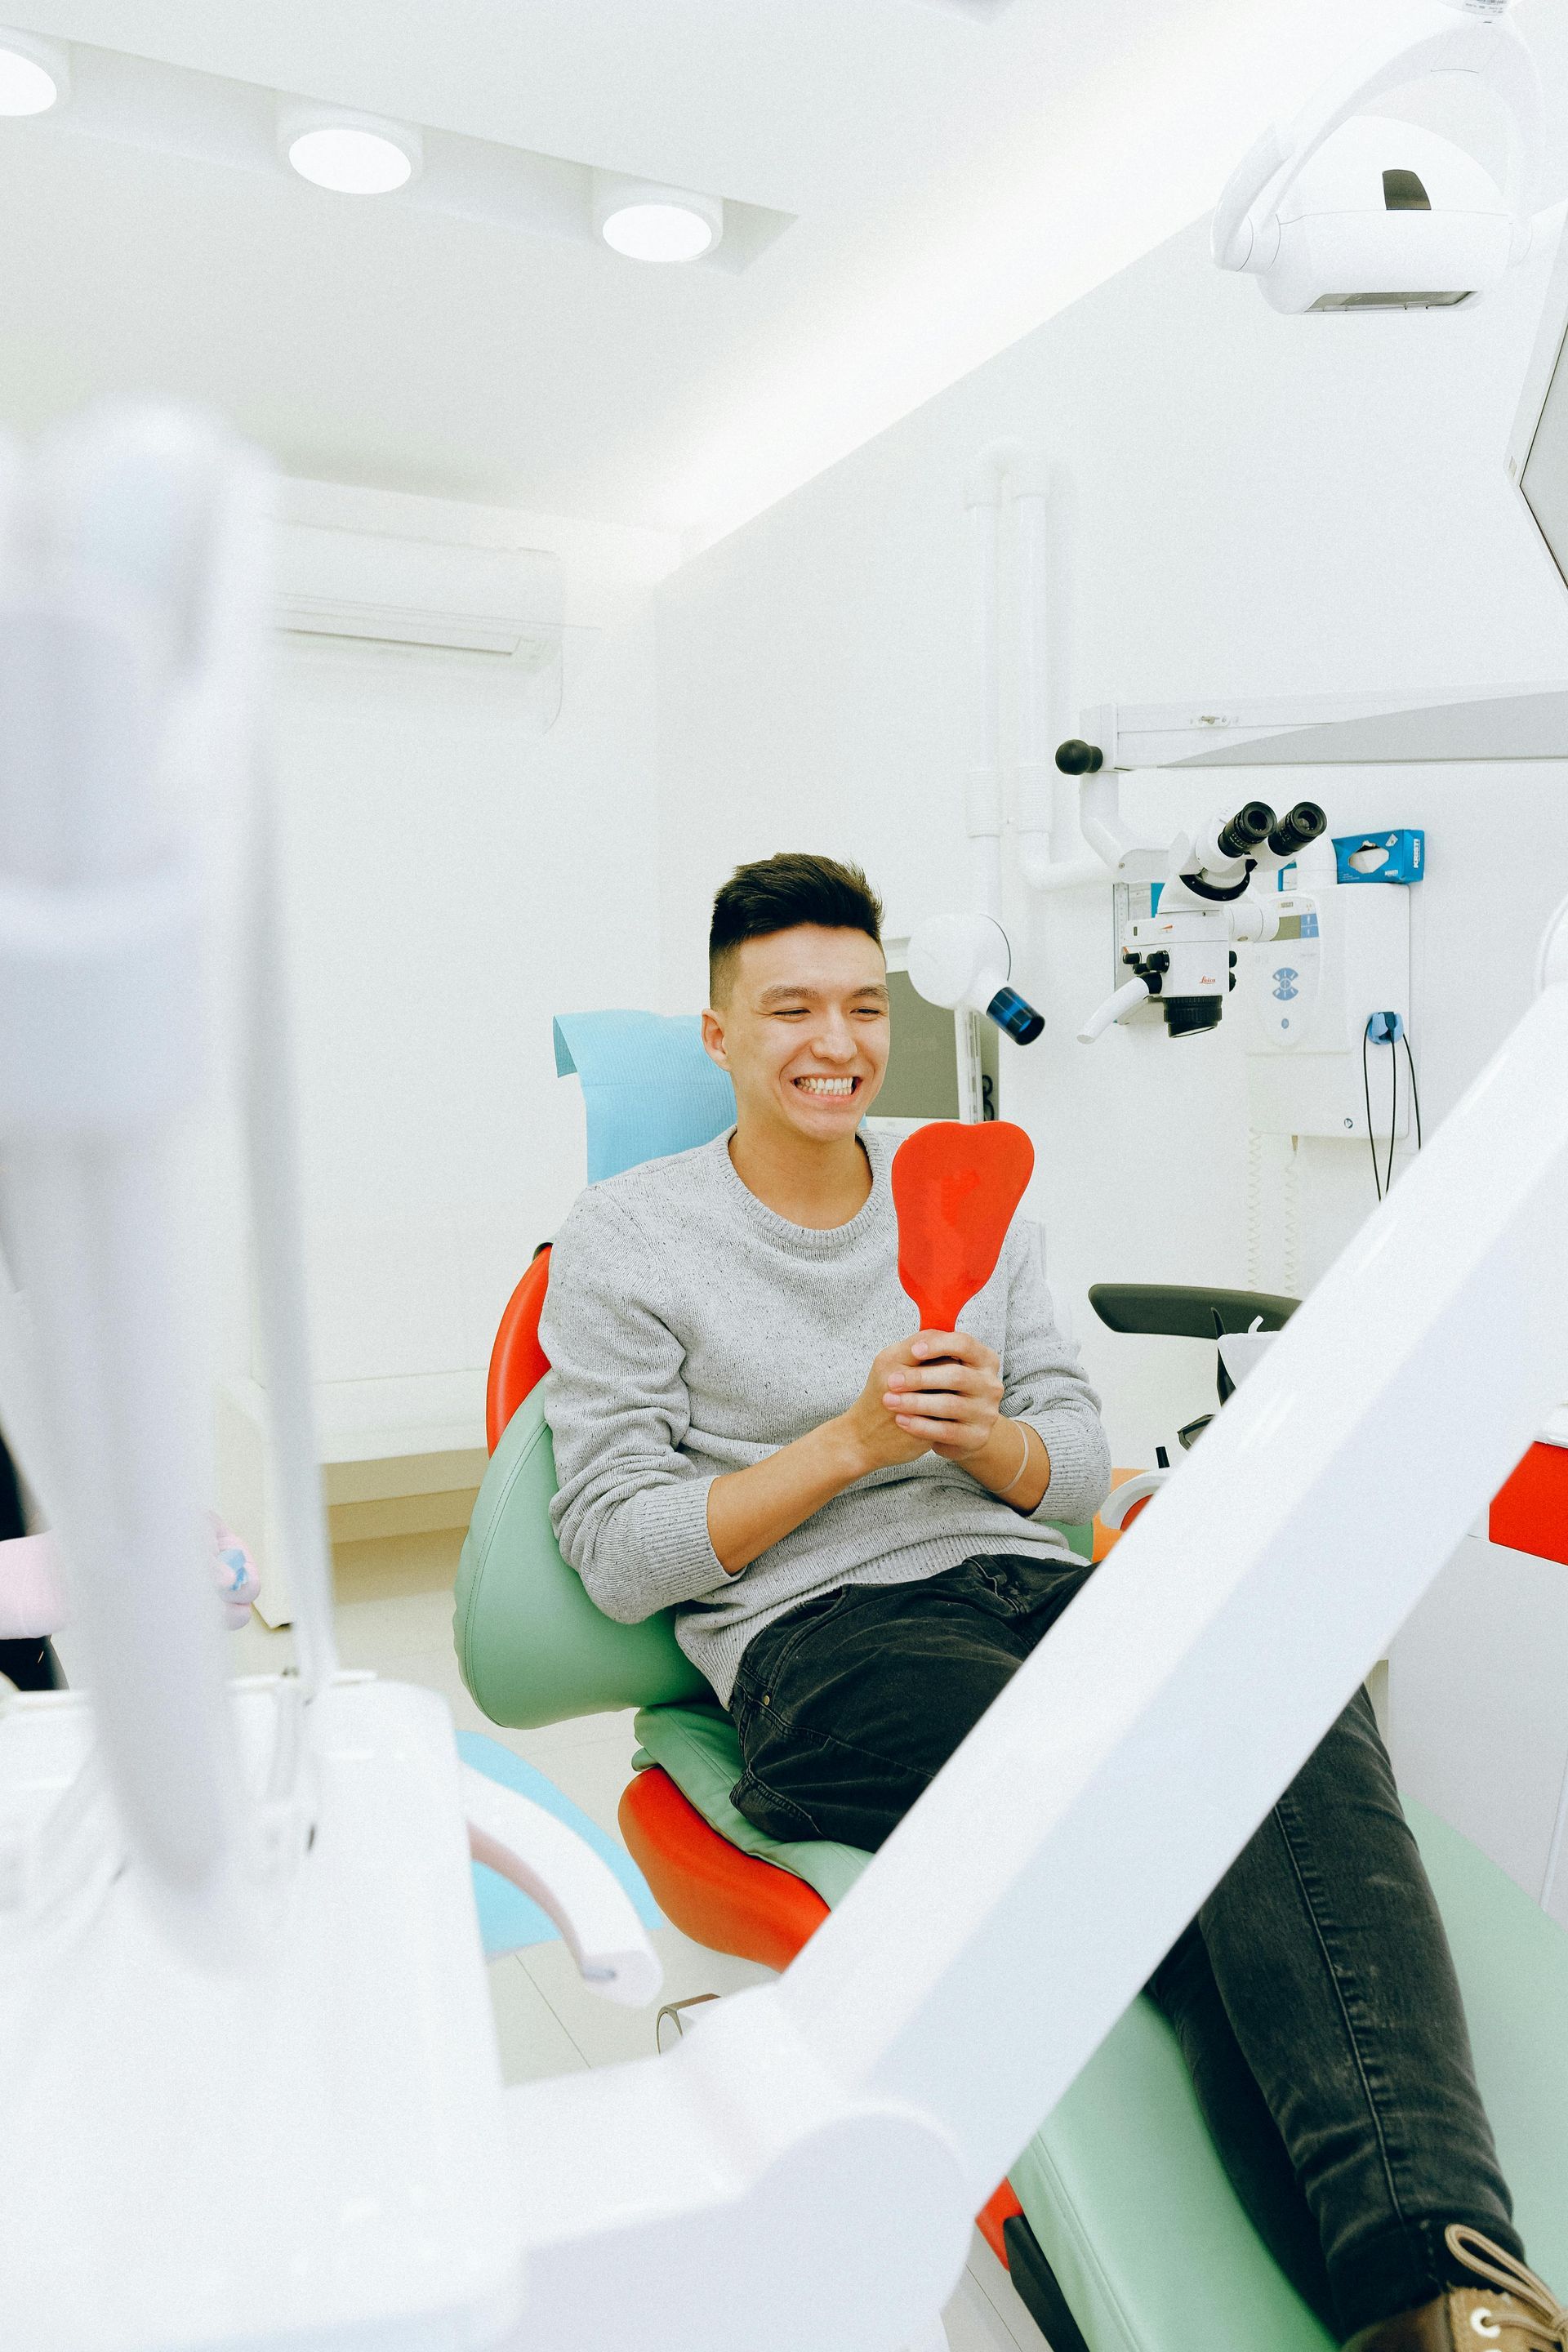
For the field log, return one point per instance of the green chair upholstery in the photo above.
(698, 1747)
(1122, 2187)
(532, 1647)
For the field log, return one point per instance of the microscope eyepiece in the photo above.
(1250, 826)
(1305, 821)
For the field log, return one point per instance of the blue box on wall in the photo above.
(1397, 856)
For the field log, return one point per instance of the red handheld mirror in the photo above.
(955, 1189)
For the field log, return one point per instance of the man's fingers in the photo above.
(933, 1347)
(967, 1380)
(962, 1345)
(930, 1431)
(945, 1409)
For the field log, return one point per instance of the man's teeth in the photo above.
(826, 1085)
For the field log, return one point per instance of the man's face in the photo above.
(805, 1033)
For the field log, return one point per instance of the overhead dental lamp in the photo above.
(1342, 210)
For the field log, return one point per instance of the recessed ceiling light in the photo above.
(650, 223)
(351, 154)
(34, 75)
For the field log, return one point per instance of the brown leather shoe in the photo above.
(1516, 2311)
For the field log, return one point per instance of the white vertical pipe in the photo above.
(983, 783)
(1037, 752)
(280, 1274)
(1142, 1744)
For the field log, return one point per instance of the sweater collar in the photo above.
(811, 1240)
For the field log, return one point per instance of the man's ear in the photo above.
(713, 1038)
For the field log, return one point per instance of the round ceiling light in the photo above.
(351, 154)
(648, 223)
(34, 75)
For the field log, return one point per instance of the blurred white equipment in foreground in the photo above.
(252, 2088)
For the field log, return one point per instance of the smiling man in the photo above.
(857, 1527)
(745, 1423)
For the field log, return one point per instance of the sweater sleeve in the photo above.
(1043, 1383)
(630, 1512)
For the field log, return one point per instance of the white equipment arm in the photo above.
(540, 1856)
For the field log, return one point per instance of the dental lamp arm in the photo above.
(544, 1860)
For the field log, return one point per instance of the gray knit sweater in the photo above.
(692, 1331)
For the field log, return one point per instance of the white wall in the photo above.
(452, 880)
(1252, 505)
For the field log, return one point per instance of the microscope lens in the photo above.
(1247, 827)
(1305, 821)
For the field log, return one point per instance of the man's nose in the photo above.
(834, 1042)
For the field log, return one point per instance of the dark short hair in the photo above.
(778, 892)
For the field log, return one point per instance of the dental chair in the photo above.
(1117, 2223)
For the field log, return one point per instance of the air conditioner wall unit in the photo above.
(470, 612)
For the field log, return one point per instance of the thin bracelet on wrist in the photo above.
(1002, 1492)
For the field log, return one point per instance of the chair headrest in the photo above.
(647, 1087)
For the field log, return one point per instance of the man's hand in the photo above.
(876, 1438)
(937, 1393)
(943, 1390)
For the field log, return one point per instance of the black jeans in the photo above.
(1313, 1996)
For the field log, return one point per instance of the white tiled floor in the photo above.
(399, 1623)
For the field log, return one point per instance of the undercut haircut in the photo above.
(777, 893)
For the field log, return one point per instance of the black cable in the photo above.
(1393, 1111)
(1366, 1097)
(1414, 1095)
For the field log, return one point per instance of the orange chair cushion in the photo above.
(714, 1892)
(518, 1362)
(993, 2219)
(1530, 1513)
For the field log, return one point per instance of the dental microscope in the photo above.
(1183, 953)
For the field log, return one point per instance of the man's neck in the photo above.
(813, 1184)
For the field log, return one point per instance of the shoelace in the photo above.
(1500, 2269)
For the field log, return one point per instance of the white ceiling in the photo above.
(956, 175)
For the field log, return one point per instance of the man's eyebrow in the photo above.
(784, 988)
